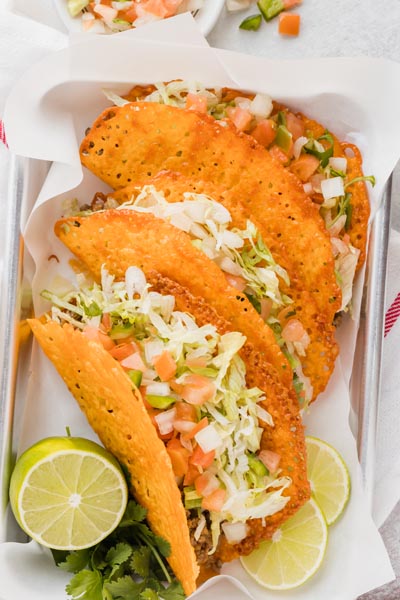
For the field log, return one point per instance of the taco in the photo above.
(239, 252)
(304, 146)
(213, 446)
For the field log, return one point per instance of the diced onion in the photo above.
(261, 106)
(339, 163)
(339, 246)
(243, 103)
(165, 421)
(298, 145)
(135, 281)
(199, 529)
(337, 227)
(231, 239)
(158, 388)
(235, 5)
(308, 188)
(106, 12)
(122, 5)
(332, 187)
(152, 349)
(229, 266)
(208, 438)
(234, 532)
(184, 426)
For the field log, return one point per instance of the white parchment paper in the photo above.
(46, 116)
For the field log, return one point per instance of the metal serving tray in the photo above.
(26, 178)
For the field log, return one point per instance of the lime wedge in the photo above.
(329, 478)
(294, 553)
(68, 493)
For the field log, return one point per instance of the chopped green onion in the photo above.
(324, 156)
(283, 138)
(270, 8)
(135, 377)
(160, 402)
(251, 23)
(369, 178)
(121, 22)
(281, 118)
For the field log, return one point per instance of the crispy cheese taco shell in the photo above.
(320, 355)
(140, 139)
(116, 413)
(286, 438)
(120, 238)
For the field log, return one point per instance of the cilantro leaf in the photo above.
(140, 561)
(75, 561)
(149, 594)
(162, 545)
(134, 514)
(173, 592)
(118, 554)
(86, 585)
(125, 588)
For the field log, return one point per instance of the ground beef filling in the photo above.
(203, 545)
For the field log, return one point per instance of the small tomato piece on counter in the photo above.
(304, 166)
(197, 389)
(202, 459)
(196, 102)
(240, 117)
(264, 132)
(289, 24)
(214, 501)
(270, 459)
(165, 365)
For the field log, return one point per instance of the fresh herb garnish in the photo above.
(322, 155)
(129, 564)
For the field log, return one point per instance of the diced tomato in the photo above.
(294, 125)
(270, 459)
(177, 387)
(92, 333)
(304, 166)
(161, 8)
(288, 4)
(200, 425)
(266, 307)
(293, 331)
(240, 117)
(165, 365)
(123, 350)
(130, 14)
(191, 475)
(264, 132)
(239, 283)
(278, 154)
(134, 361)
(179, 457)
(202, 459)
(206, 484)
(106, 322)
(196, 102)
(214, 501)
(289, 24)
(197, 389)
(185, 412)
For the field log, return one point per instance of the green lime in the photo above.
(68, 493)
(329, 478)
(294, 553)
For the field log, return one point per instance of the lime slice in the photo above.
(68, 493)
(329, 478)
(294, 553)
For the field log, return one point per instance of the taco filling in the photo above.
(193, 384)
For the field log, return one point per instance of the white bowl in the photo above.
(206, 17)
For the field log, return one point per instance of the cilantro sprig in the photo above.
(129, 564)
